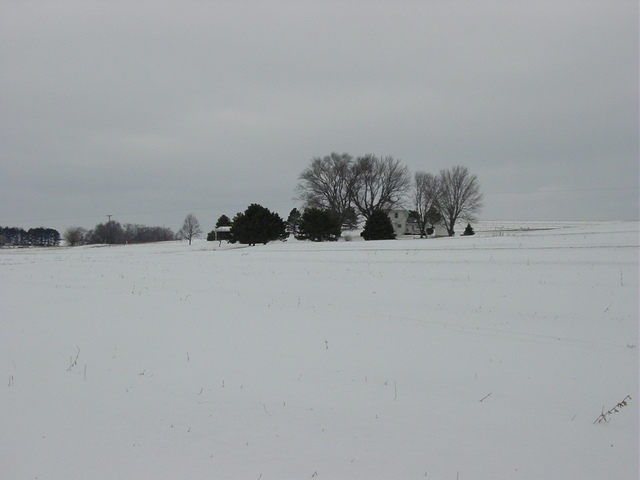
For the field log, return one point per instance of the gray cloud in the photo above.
(151, 110)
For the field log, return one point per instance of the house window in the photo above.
(396, 215)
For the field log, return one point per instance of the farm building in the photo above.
(405, 224)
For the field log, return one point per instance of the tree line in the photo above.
(37, 237)
(112, 232)
(346, 186)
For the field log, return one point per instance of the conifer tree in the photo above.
(257, 225)
(319, 225)
(294, 221)
(378, 227)
(223, 221)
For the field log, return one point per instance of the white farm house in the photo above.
(403, 224)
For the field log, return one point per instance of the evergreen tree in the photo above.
(469, 230)
(433, 217)
(223, 221)
(378, 227)
(350, 219)
(13, 236)
(319, 225)
(293, 221)
(43, 237)
(258, 225)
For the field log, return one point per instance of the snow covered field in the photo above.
(486, 357)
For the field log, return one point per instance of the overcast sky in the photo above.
(152, 110)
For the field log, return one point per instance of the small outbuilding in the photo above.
(222, 233)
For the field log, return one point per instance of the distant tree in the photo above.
(379, 183)
(469, 230)
(14, 236)
(459, 196)
(327, 184)
(293, 221)
(319, 225)
(433, 216)
(37, 237)
(42, 237)
(74, 236)
(432, 219)
(378, 227)
(53, 237)
(190, 228)
(425, 196)
(163, 234)
(114, 233)
(109, 233)
(350, 219)
(223, 221)
(257, 224)
(134, 233)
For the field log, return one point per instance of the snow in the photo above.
(485, 357)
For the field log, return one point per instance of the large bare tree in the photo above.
(379, 183)
(425, 198)
(190, 228)
(327, 184)
(459, 196)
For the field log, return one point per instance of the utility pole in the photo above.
(108, 234)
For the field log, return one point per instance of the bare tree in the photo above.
(459, 196)
(425, 197)
(190, 228)
(379, 183)
(135, 233)
(74, 236)
(327, 183)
